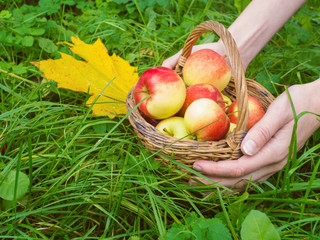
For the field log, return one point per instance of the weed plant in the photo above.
(76, 176)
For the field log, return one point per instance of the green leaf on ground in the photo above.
(27, 41)
(8, 185)
(258, 226)
(47, 45)
(211, 229)
(199, 228)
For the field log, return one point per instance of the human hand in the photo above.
(265, 146)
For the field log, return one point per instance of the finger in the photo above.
(273, 151)
(237, 168)
(242, 182)
(277, 115)
(259, 176)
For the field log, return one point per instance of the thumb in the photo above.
(264, 130)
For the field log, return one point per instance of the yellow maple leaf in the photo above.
(108, 78)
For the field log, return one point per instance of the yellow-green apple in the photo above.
(161, 92)
(224, 102)
(174, 126)
(206, 120)
(256, 111)
(206, 66)
(200, 90)
(231, 128)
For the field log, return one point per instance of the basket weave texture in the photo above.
(188, 151)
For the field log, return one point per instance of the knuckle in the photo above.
(238, 172)
(280, 153)
(263, 132)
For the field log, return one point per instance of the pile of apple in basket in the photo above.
(192, 107)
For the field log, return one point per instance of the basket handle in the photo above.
(236, 68)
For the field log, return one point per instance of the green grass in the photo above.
(90, 177)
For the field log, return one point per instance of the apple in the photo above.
(224, 102)
(206, 66)
(152, 121)
(206, 120)
(256, 111)
(231, 128)
(174, 126)
(200, 90)
(161, 91)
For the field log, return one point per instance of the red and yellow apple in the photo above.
(161, 92)
(174, 126)
(197, 91)
(206, 66)
(206, 120)
(256, 111)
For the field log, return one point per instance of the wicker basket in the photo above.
(188, 151)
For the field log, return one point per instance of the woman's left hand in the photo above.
(265, 146)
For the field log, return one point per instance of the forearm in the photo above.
(258, 23)
(255, 26)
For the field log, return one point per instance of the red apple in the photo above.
(166, 89)
(256, 111)
(174, 126)
(201, 90)
(206, 66)
(206, 120)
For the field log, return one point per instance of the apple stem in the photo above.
(166, 131)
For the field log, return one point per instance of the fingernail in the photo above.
(250, 147)
(197, 168)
